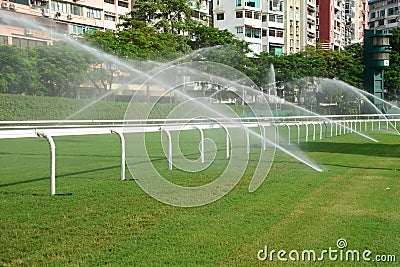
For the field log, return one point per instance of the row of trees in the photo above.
(162, 30)
(44, 70)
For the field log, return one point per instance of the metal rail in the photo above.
(53, 128)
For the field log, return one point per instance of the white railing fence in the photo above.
(333, 125)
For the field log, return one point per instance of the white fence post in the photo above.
(122, 141)
(201, 143)
(169, 156)
(52, 161)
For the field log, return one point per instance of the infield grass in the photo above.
(111, 222)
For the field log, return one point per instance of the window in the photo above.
(253, 32)
(220, 16)
(380, 41)
(275, 5)
(76, 10)
(3, 40)
(109, 17)
(23, 2)
(264, 32)
(264, 18)
(279, 19)
(239, 30)
(110, 1)
(276, 50)
(239, 14)
(257, 15)
(271, 32)
(372, 15)
(123, 4)
(93, 13)
(392, 11)
(253, 3)
(279, 33)
(248, 14)
(238, 2)
(25, 43)
(59, 7)
(272, 18)
(79, 30)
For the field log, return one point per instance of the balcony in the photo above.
(310, 8)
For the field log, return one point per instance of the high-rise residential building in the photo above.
(201, 11)
(73, 17)
(331, 24)
(356, 16)
(384, 14)
(241, 17)
(300, 25)
(273, 27)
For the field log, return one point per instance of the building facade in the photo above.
(384, 14)
(241, 17)
(72, 17)
(356, 20)
(274, 26)
(331, 24)
(356, 12)
(201, 11)
(300, 25)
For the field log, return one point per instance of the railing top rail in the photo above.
(185, 120)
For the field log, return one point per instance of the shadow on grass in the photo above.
(367, 149)
(59, 176)
(361, 167)
(61, 155)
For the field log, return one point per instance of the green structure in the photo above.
(376, 60)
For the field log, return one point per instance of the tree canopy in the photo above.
(162, 30)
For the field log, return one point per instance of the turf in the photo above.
(111, 222)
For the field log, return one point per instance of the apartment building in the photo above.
(273, 28)
(356, 21)
(72, 17)
(258, 22)
(241, 17)
(300, 25)
(331, 24)
(384, 14)
(201, 11)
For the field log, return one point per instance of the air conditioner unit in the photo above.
(28, 32)
(12, 6)
(4, 4)
(46, 12)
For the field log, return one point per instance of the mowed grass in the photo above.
(111, 222)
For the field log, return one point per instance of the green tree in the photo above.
(168, 16)
(203, 36)
(18, 73)
(138, 41)
(392, 74)
(61, 68)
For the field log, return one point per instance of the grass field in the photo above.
(111, 222)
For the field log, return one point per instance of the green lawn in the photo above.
(108, 221)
